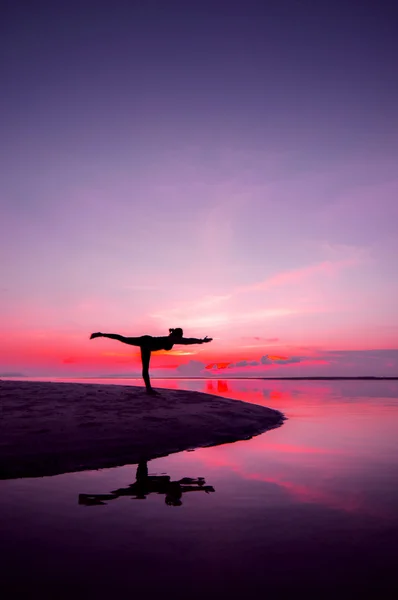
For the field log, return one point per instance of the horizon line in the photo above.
(116, 377)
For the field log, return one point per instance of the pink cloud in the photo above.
(296, 276)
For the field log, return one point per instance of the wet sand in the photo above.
(54, 428)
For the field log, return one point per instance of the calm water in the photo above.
(309, 508)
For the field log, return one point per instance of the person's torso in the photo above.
(161, 343)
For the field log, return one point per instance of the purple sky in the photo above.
(230, 168)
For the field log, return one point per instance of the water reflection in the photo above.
(146, 484)
(308, 509)
(220, 386)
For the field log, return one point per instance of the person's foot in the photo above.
(152, 392)
(95, 335)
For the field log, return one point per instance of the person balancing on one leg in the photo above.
(149, 344)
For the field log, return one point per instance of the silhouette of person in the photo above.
(151, 484)
(149, 344)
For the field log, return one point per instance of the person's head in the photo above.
(176, 333)
(170, 501)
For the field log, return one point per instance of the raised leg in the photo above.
(132, 341)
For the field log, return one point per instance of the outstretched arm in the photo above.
(189, 341)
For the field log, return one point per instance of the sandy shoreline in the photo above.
(54, 428)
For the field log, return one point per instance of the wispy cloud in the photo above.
(185, 318)
(204, 308)
(303, 274)
(141, 287)
(260, 341)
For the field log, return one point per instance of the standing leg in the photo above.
(145, 358)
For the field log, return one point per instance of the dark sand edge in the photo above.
(54, 428)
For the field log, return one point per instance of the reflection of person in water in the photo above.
(149, 344)
(148, 484)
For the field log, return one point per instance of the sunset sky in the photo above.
(225, 167)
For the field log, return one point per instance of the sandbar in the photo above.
(53, 428)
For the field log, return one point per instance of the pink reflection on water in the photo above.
(338, 447)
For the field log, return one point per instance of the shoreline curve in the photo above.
(54, 428)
